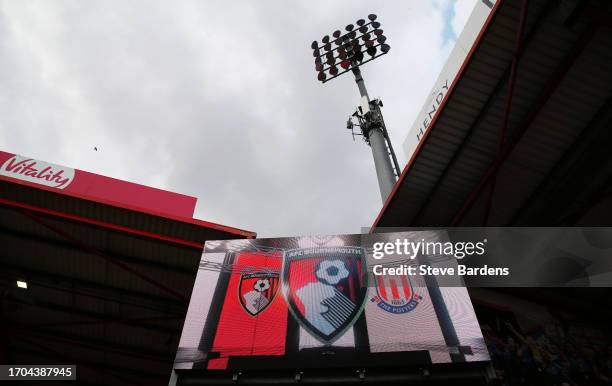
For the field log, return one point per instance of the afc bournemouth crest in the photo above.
(257, 290)
(394, 294)
(325, 288)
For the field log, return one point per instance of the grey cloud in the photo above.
(214, 100)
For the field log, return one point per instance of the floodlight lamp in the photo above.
(22, 284)
(351, 45)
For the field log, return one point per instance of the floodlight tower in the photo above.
(347, 50)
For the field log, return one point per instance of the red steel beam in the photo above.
(497, 89)
(518, 50)
(98, 253)
(100, 224)
(549, 89)
(131, 208)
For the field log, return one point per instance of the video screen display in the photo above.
(315, 302)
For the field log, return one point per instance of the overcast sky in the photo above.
(218, 100)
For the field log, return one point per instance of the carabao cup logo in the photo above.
(325, 288)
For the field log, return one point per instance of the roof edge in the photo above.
(420, 145)
(131, 208)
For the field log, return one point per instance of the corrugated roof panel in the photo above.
(556, 126)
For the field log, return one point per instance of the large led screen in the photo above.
(315, 302)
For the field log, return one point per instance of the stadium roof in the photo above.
(552, 167)
(108, 284)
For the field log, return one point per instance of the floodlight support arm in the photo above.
(374, 135)
(360, 82)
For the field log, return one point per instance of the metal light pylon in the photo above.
(370, 121)
(348, 53)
